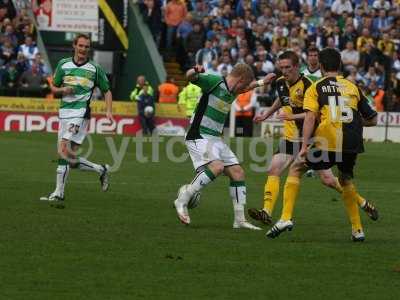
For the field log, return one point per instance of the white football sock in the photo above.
(200, 181)
(237, 191)
(61, 179)
(85, 165)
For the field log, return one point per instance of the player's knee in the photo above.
(217, 167)
(274, 171)
(238, 173)
(62, 152)
(329, 181)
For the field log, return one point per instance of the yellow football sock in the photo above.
(271, 192)
(338, 186)
(349, 197)
(290, 192)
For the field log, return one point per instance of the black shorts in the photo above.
(288, 147)
(324, 160)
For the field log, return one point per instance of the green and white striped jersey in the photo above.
(83, 78)
(212, 109)
(314, 76)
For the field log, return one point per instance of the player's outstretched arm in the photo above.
(192, 74)
(257, 83)
(267, 113)
(289, 117)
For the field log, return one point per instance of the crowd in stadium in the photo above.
(22, 69)
(220, 33)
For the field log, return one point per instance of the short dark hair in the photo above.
(312, 49)
(330, 60)
(291, 55)
(80, 35)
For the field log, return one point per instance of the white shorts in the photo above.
(74, 129)
(204, 151)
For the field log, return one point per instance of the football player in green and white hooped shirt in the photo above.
(210, 155)
(311, 70)
(75, 79)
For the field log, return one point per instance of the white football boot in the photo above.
(244, 224)
(55, 200)
(280, 227)
(358, 236)
(105, 178)
(181, 205)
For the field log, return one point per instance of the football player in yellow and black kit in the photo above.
(290, 89)
(343, 111)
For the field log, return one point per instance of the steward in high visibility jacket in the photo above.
(137, 91)
(189, 97)
(168, 92)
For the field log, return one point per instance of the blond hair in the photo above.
(243, 71)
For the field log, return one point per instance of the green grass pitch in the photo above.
(128, 244)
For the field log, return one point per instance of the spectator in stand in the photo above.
(29, 49)
(373, 76)
(215, 32)
(293, 5)
(140, 83)
(386, 45)
(241, 55)
(206, 55)
(200, 11)
(168, 91)
(23, 33)
(251, 27)
(267, 65)
(350, 56)
(185, 27)
(349, 35)
(32, 83)
(7, 52)
(10, 34)
(250, 61)
(146, 111)
(381, 4)
(258, 72)
(7, 9)
(381, 23)
(340, 6)
(151, 12)
(43, 69)
(364, 40)
(378, 95)
(225, 67)
(267, 16)
(279, 38)
(10, 80)
(183, 31)
(175, 13)
(214, 68)
(354, 76)
(22, 63)
(193, 43)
